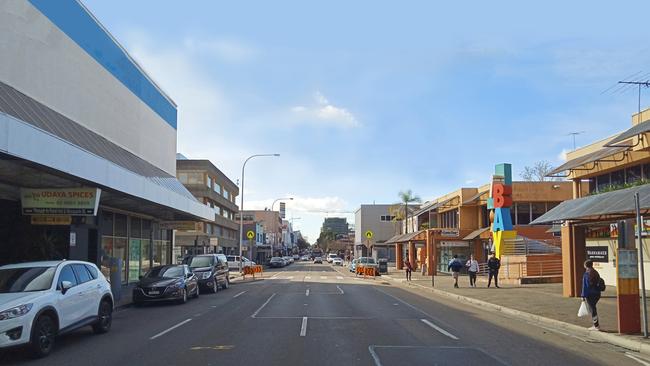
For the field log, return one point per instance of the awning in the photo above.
(434, 206)
(475, 234)
(475, 197)
(402, 238)
(605, 206)
(640, 128)
(589, 158)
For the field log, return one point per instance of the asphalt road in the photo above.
(308, 314)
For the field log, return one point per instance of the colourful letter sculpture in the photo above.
(500, 201)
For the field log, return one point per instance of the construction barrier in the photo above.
(251, 270)
(366, 271)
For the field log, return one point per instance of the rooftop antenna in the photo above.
(574, 134)
(639, 84)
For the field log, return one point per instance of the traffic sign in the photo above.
(250, 234)
(369, 234)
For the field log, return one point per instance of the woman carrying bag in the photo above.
(592, 286)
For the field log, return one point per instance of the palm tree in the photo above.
(407, 197)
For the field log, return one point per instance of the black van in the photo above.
(211, 270)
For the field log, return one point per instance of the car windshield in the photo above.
(201, 261)
(166, 272)
(26, 279)
(231, 258)
(276, 259)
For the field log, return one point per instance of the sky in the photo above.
(364, 98)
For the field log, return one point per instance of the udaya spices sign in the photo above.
(60, 201)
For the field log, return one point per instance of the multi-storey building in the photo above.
(337, 225)
(381, 221)
(272, 224)
(87, 146)
(458, 223)
(215, 190)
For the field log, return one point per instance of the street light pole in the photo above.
(241, 206)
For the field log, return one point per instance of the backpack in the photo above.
(600, 285)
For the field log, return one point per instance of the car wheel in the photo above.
(42, 337)
(215, 286)
(183, 299)
(196, 295)
(104, 318)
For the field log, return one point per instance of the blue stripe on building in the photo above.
(71, 17)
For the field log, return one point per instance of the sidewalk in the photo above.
(542, 303)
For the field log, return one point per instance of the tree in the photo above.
(302, 244)
(325, 238)
(538, 172)
(407, 197)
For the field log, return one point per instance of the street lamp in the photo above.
(241, 205)
(280, 199)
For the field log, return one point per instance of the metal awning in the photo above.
(404, 237)
(475, 234)
(593, 157)
(434, 206)
(640, 128)
(601, 207)
(475, 197)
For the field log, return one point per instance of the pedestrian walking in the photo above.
(493, 270)
(472, 270)
(592, 285)
(455, 266)
(409, 269)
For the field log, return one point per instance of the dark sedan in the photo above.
(277, 262)
(164, 283)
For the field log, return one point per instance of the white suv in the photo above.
(40, 300)
(331, 256)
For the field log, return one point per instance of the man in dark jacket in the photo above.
(591, 291)
(493, 270)
(455, 265)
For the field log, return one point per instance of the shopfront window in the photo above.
(633, 174)
(537, 209)
(618, 178)
(602, 182)
(523, 213)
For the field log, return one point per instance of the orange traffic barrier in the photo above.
(251, 270)
(366, 271)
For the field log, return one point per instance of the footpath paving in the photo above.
(541, 303)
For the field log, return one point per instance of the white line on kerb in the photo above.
(262, 307)
(170, 329)
(307, 292)
(239, 294)
(303, 327)
(323, 277)
(340, 289)
(308, 277)
(442, 331)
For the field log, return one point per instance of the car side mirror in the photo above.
(189, 275)
(65, 286)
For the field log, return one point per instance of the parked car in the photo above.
(174, 282)
(288, 259)
(304, 258)
(277, 262)
(353, 265)
(331, 257)
(296, 257)
(318, 260)
(211, 270)
(337, 261)
(41, 300)
(233, 262)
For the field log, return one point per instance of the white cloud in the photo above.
(325, 113)
(223, 49)
(562, 155)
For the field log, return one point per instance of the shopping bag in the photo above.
(583, 310)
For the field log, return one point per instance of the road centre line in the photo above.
(340, 289)
(239, 294)
(442, 331)
(303, 327)
(263, 305)
(170, 329)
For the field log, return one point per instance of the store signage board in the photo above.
(598, 254)
(455, 244)
(51, 220)
(60, 201)
(178, 225)
(449, 232)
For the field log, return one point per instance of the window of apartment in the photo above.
(208, 181)
(633, 174)
(449, 219)
(387, 218)
(217, 187)
(602, 182)
(618, 177)
(226, 194)
(523, 213)
(225, 213)
(485, 216)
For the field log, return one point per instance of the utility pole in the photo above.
(639, 84)
(574, 134)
